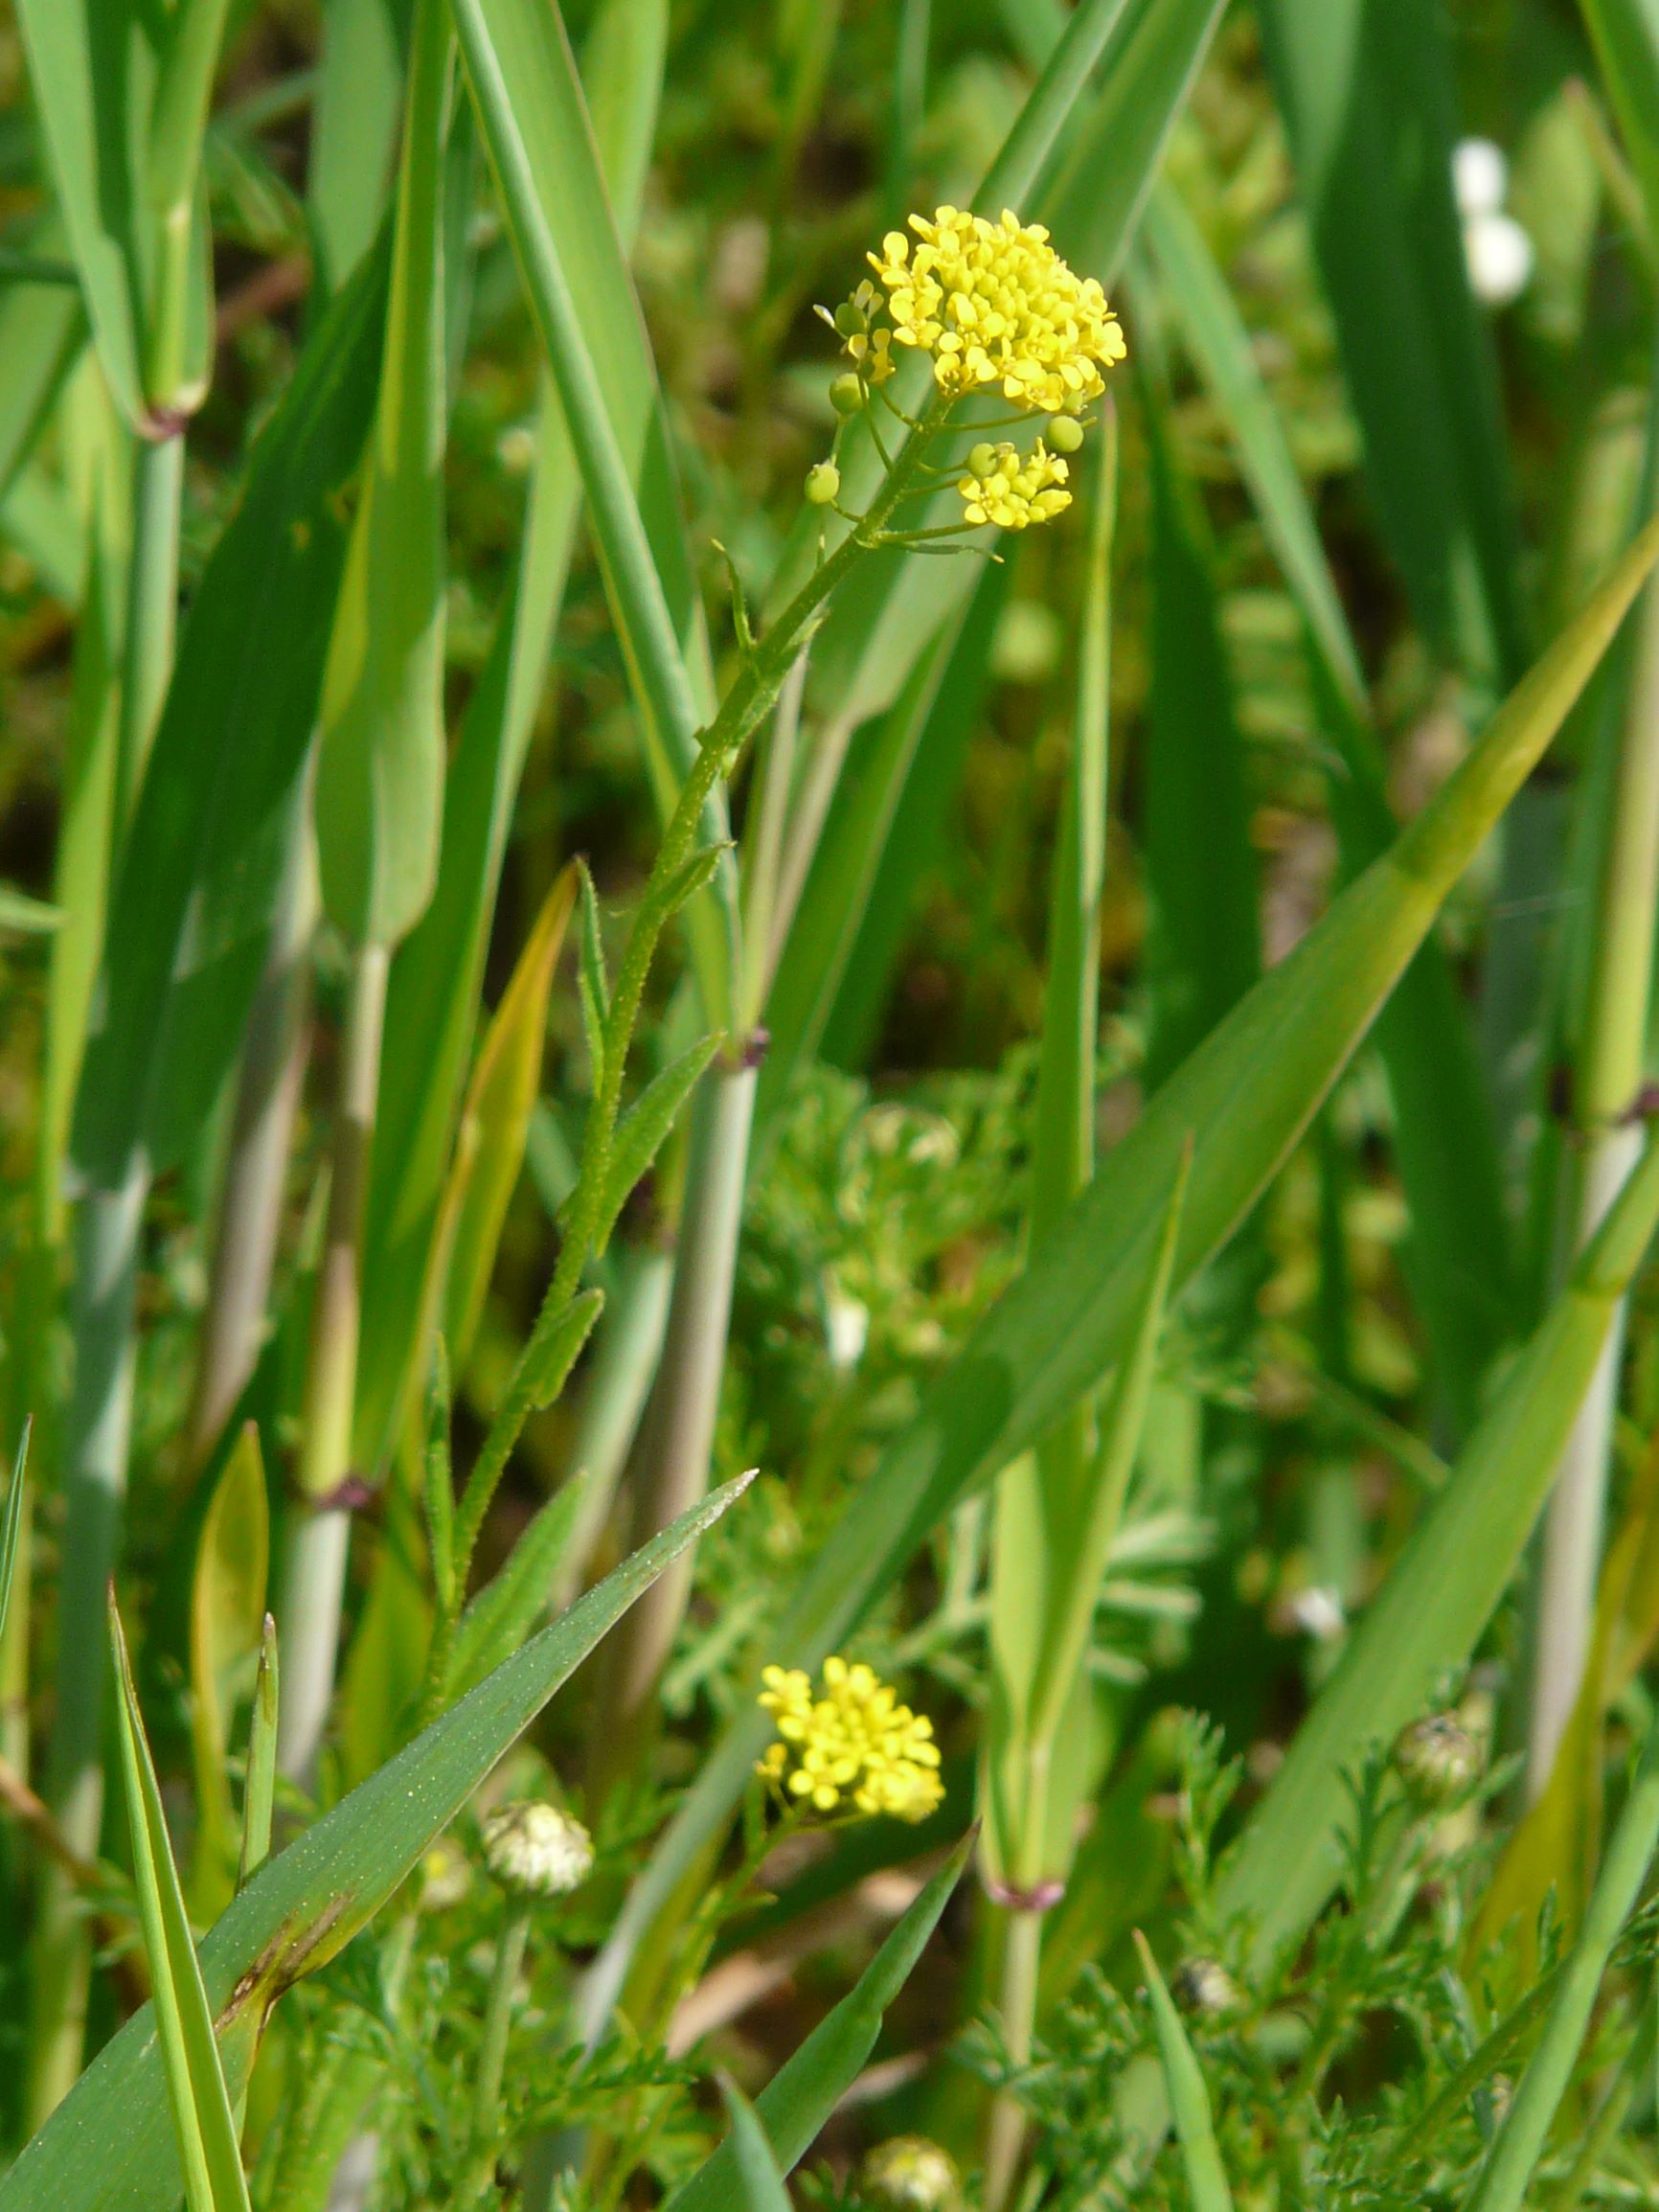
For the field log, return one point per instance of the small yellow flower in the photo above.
(1010, 490)
(856, 1744)
(995, 306)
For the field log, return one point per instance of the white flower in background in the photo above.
(1498, 251)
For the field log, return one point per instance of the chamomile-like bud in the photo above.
(1437, 1759)
(910, 2174)
(1203, 1986)
(537, 1850)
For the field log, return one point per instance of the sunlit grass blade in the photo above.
(380, 736)
(43, 333)
(111, 2135)
(805, 2089)
(1509, 2172)
(93, 168)
(1241, 1101)
(353, 142)
(506, 1609)
(206, 2133)
(1368, 102)
(760, 2184)
(1440, 1593)
(1188, 2098)
(535, 127)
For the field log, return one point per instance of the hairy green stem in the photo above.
(319, 1533)
(1606, 1080)
(492, 2047)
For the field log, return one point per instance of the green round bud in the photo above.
(981, 460)
(909, 2174)
(1065, 434)
(847, 395)
(823, 482)
(1438, 1760)
(851, 321)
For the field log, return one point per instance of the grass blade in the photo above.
(258, 1798)
(801, 2096)
(1431, 1609)
(1188, 2099)
(1509, 2172)
(206, 2133)
(227, 1612)
(760, 2184)
(380, 740)
(1245, 1095)
(12, 1530)
(194, 903)
(109, 2140)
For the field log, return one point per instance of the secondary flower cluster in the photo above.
(1010, 488)
(856, 1743)
(994, 304)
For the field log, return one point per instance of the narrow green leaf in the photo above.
(1368, 100)
(227, 1612)
(1625, 36)
(555, 1346)
(508, 1608)
(1441, 1593)
(439, 1484)
(380, 736)
(1241, 1100)
(495, 1121)
(88, 64)
(1509, 2172)
(641, 1130)
(259, 1796)
(1188, 2098)
(203, 868)
(42, 333)
(176, 248)
(207, 2150)
(805, 2089)
(759, 2183)
(110, 2142)
(563, 231)
(592, 981)
(11, 1528)
(1204, 952)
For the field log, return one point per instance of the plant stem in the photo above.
(1607, 1078)
(97, 1430)
(319, 1532)
(1004, 2137)
(492, 2049)
(250, 1208)
(679, 1423)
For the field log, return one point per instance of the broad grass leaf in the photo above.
(380, 738)
(504, 1612)
(352, 158)
(194, 902)
(1241, 1101)
(109, 2143)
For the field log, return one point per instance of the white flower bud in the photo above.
(536, 1849)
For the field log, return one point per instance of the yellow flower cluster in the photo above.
(995, 305)
(857, 1741)
(1012, 489)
